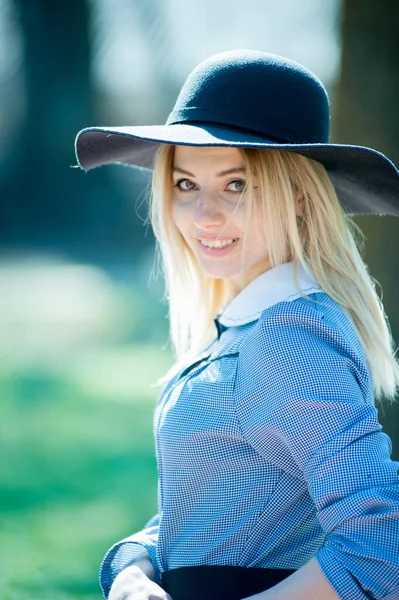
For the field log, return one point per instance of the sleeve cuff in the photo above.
(122, 555)
(339, 578)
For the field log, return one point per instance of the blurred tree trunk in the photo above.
(56, 75)
(45, 203)
(365, 112)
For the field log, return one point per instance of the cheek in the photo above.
(181, 219)
(238, 217)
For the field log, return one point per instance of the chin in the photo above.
(218, 273)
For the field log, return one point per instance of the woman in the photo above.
(275, 480)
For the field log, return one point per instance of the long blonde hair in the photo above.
(333, 249)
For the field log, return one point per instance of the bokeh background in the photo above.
(83, 327)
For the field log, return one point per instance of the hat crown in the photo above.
(260, 92)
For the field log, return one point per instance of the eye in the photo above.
(237, 186)
(185, 185)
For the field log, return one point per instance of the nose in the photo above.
(207, 212)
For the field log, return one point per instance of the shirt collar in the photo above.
(269, 288)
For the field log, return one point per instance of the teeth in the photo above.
(217, 243)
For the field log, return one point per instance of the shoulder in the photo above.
(305, 343)
(304, 324)
(318, 314)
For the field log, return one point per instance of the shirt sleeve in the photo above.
(304, 401)
(127, 551)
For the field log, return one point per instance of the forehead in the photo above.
(207, 156)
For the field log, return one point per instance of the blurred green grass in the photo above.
(78, 468)
(78, 472)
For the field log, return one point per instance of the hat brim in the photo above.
(366, 181)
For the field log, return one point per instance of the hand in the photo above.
(133, 584)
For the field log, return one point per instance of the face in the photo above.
(207, 210)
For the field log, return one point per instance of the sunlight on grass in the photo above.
(81, 355)
(121, 373)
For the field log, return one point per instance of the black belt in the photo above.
(220, 582)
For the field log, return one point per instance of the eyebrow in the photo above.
(220, 174)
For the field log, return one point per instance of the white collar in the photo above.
(269, 288)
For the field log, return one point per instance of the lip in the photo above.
(217, 251)
(213, 239)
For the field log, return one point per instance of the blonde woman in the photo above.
(275, 479)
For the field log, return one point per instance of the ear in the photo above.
(298, 203)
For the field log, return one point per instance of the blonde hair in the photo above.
(333, 248)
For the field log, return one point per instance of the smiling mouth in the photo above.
(218, 251)
(218, 244)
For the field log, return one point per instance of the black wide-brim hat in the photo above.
(251, 99)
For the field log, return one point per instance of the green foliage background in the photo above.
(78, 472)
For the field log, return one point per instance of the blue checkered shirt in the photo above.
(270, 451)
